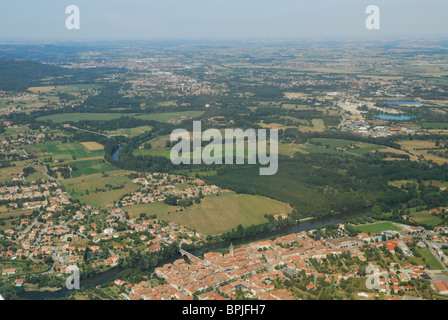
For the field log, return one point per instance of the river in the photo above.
(115, 156)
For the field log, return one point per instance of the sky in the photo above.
(35, 20)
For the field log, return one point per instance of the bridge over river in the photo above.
(188, 254)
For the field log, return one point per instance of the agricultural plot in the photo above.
(318, 124)
(358, 147)
(377, 227)
(421, 147)
(217, 214)
(159, 148)
(161, 117)
(99, 190)
(129, 132)
(416, 144)
(65, 151)
(75, 117)
(7, 173)
(170, 116)
(442, 185)
(15, 131)
(399, 183)
(41, 89)
(92, 145)
(434, 125)
(429, 259)
(289, 149)
(424, 217)
(75, 88)
(91, 166)
(291, 106)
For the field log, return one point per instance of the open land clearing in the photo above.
(161, 117)
(216, 214)
(377, 227)
(64, 151)
(91, 145)
(92, 188)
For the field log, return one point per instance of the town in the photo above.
(87, 181)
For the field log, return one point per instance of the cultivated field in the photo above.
(130, 132)
(377, 227)
(92, 145)
(65, 151)
(41, 89)
(170, 116)
(161, 117)
(7, 173)
(217, 214)
(424, 217)
(90, 166)
(93, 190)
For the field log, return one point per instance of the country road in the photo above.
(101, 134)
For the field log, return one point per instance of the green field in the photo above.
(377, 227)
(290, 149)
(78, 187)
(130, 132)
(425, 217)
(162, 117)
(62, 151)
(91, 166)
(154, 153)
(15, 131)
(429, 259)
(360, 147)
(7, 173)
(217, 214)
(435, 125)
(75, 117)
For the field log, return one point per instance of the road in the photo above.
(101, 134)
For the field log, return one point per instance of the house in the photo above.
(310, 287)
(8, 272)
(442, 286)
(19, 282)
(155, 248)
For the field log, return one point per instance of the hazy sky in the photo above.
(218, 19)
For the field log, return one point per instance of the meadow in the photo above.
(130, 132)
(165, 117)
(424, 217)
(62, 151)
(377, 227)
(161, 117)
(8, 172)
(217, 214)
(90, 166)
(429, 259)
(85, 188)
